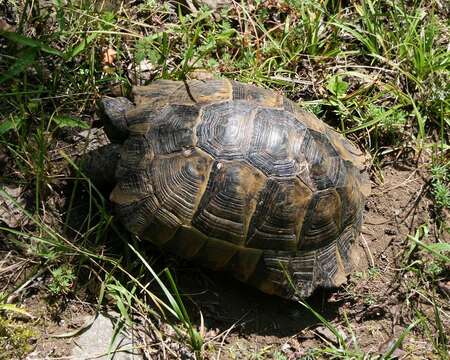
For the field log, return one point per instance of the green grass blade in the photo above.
(76, 50)
(33, 43)
(66, 121)
(399, 341)
(26, 59)
(13, 123)
(435, 249)
(14, 309)
(174, 309)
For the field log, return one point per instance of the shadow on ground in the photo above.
(225, 302)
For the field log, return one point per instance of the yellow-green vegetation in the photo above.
(15, 335)
(14, 339)
(376, 70)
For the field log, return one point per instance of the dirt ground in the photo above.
(375, 306)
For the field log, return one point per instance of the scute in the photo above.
(279, 215)
(323, 220)
(179, 182)
(173, 129)
(137, 154)
(239, 178)
(325, 167)
(305, 117)
(256, 95)
(228, 202)
(275, 140)
(135, 215)
(163, 92)
(225, 129)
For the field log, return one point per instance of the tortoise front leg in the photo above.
(100, 165)
(114, 118)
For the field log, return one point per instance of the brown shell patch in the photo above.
(163, 92)
(323, 220)
(256, 95)
(279, 215)
(229, 201)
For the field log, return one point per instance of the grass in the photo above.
(376, 70)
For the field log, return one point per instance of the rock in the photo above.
(195, 5)
(12, 205)
(96, 340)
(325, 333)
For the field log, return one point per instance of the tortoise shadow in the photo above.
(225, 302)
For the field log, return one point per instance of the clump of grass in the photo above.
(431, 258)
(440, 180)
(430, 262)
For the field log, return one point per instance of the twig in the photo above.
(369, 253)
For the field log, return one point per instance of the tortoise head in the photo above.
(113, 111)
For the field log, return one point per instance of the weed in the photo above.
(440, 177)
(62, 280)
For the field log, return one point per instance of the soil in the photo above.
(240, 322)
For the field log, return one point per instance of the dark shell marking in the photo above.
(241, 179)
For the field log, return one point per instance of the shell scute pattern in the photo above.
(275, 140)
(229, 199)
(172, 130)
(136, 154)
(256, 95)
(178, 183)
(279, 215)
(240, 178)
(325, 167)
(322, 221)
(136, 215)
(224, 129)
(163, 92)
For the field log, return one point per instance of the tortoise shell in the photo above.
(240, 178)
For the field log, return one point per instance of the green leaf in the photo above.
(33, 43)
(337, 86)
(66, 121)
(11, 124)
(74, 51)
(440, 247)
(15, 309)
(436, 249)
(25, 59)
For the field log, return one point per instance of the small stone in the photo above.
(95, 342)
(326, 333)
(390, 232)
(12, 205)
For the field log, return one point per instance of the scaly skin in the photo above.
(100, 165)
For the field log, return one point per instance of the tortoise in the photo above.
(238, 178)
